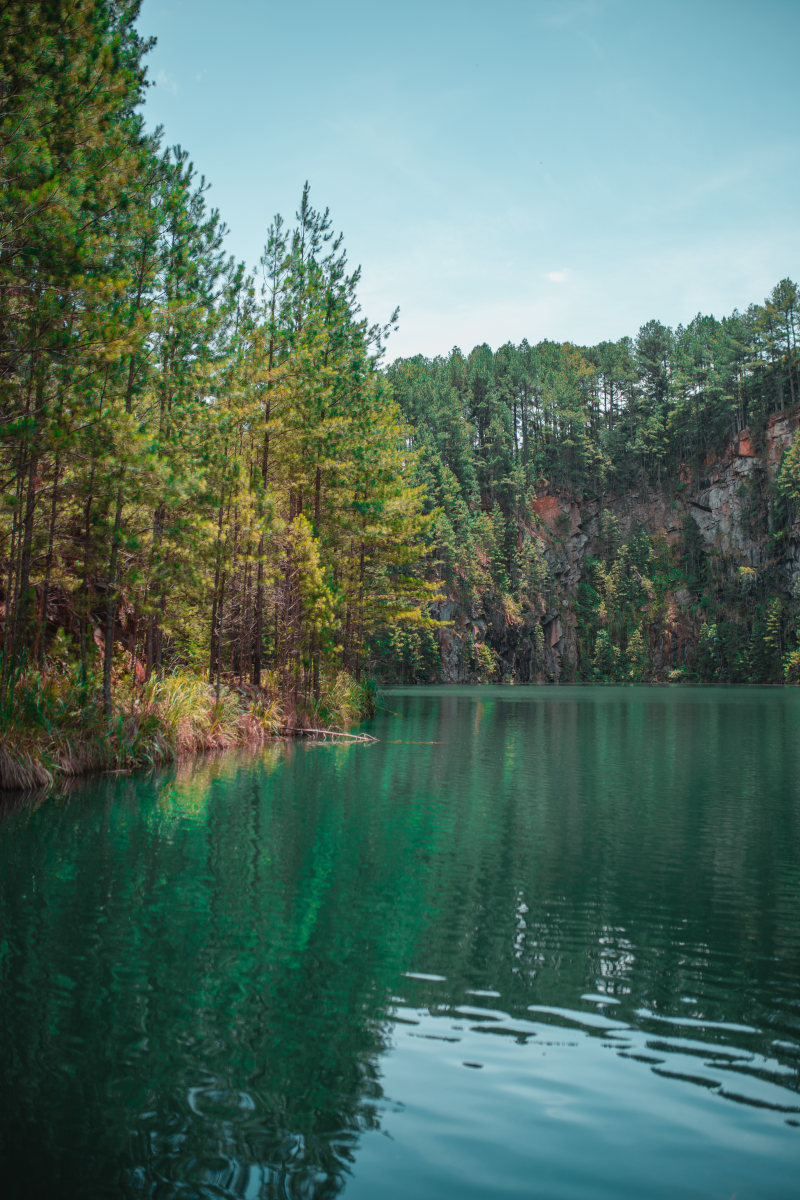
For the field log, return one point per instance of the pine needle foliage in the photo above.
(201, 471)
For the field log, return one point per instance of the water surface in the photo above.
(533, 943)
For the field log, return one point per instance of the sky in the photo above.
(563, 169)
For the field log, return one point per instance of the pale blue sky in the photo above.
(559, 168)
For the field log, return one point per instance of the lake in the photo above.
(535, 942)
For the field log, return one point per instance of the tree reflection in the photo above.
(198, 970)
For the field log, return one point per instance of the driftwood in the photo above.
(324, 734)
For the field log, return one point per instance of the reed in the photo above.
(52, 724)
(342, 702)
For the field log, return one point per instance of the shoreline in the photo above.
(54, 730)
(155, 734)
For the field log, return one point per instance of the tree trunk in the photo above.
(42, 635)
(84, 614)
(108, 649)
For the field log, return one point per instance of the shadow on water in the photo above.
(213, 980)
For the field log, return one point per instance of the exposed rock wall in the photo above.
(731, 507)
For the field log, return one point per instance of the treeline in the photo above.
(199, 468)
(603, 418)
(496, 430)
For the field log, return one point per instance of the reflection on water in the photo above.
(534, 942)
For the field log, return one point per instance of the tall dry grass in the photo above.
(342, 702)
(52, 724)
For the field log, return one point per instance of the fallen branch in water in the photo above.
(337, 733)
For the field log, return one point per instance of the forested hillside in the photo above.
(620, 511)
(220, 512)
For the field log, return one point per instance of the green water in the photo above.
(533, 943)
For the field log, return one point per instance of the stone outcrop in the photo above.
(731, 507)
(736, 488)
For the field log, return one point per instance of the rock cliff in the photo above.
(732, 508)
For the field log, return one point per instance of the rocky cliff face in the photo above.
(732, 511)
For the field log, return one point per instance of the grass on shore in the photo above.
(52, 724)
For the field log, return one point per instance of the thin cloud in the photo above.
(163, 80)
(557, 276)
(570, 12)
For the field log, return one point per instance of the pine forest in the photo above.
(224, 514)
